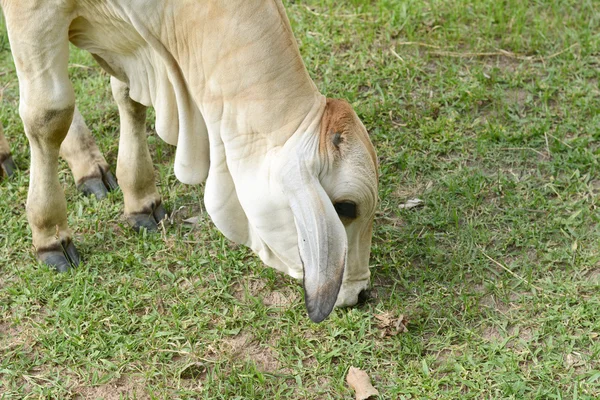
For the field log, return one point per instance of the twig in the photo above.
(499, 52)
(79, 66)
(394, 122)
(510, 272)
(397, 55)
(418, 44)
(562, 141)
(312, 12)
(547, 145)
(523, 148)
(333, 15)
(510, 54)
(562, 51)
(482, 54)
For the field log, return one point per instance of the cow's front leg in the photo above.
(90, 169)
(7, 165)
(46, 125)
(135, 173)
(47, 101)
(46, 119)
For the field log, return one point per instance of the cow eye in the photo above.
(345, 209)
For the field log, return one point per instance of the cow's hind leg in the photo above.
(90, 169)
(47, 101)
(7, 165)
(135, 172)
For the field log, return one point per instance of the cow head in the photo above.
(331, 186)
(306, 207)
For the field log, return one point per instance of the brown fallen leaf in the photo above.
(412, 203)
(391, 325)
(191, 221)
(360, 382)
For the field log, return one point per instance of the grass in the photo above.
(487, 110)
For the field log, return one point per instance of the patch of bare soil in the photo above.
(8, 334)
(594, 276)
(595, 185)
(491, 334)
(577, 361)
(122, 388)
(446, 357)
(12, 336)
(516, 96)
(414, 190)
(247, 287)
(282, 297)
(524, 334)
(519, 336)
(244, 347)
(506, 64)
(491, 301)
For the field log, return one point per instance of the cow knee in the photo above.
(48, 121)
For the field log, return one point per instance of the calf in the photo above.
(289, 173)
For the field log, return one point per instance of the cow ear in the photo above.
(337, 119)
(322, 238)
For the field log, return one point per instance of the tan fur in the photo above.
(81, 152)
(135, 171)
(231, 91)
(78, 148)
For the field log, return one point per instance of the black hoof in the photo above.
(93, 186)
(72, 253)
(99, 187)
(142, 221)
(109, 180)
(148, 221)
(61, 260)
(8, 166)
(160, 213)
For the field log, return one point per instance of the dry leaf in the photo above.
(412, 203)
(191, 221)
(361, 383)
(391, 325)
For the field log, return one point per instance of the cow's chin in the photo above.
(350, 291)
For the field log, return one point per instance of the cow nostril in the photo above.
(363, 297)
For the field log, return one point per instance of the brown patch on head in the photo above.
(339, 125)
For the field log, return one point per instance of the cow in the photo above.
(288, 172)
(88, 166)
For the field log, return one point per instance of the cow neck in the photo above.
(243, 68)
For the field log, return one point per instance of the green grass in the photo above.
(487, 110)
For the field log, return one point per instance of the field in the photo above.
(488, 111)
